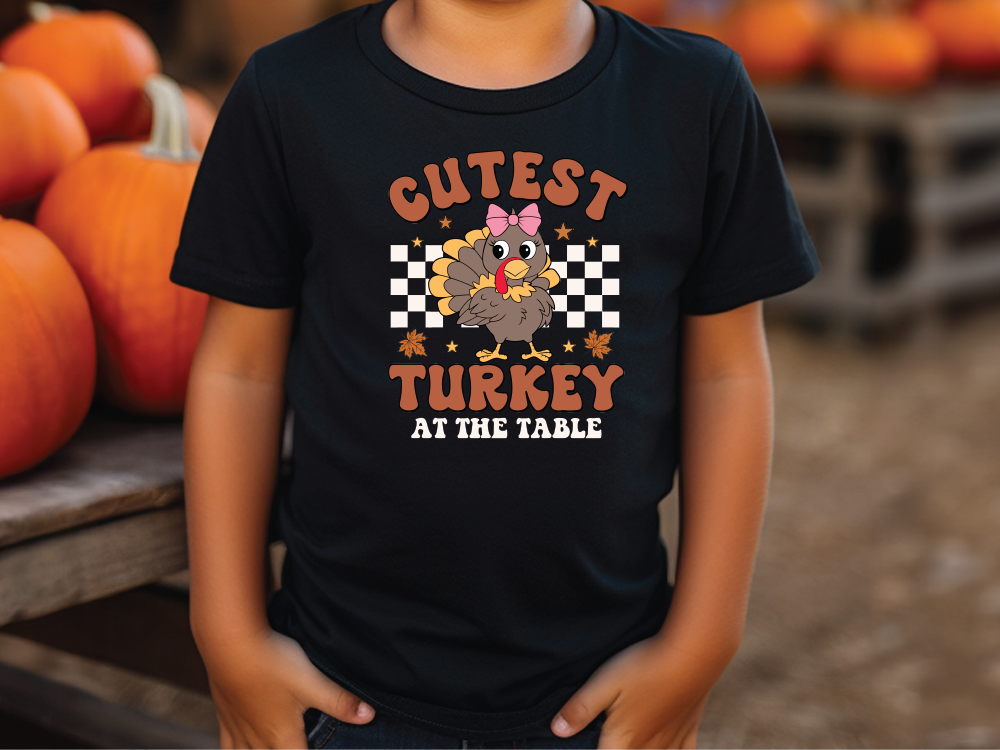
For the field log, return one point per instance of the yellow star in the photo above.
(417, 242)
(568, 346)
(592, 242)
(563, 232)
(452, 347)
(445, 223)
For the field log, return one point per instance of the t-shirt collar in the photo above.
(487, 101)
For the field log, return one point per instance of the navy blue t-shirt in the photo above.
(483, 370)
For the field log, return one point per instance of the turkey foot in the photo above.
(485, 354)
(543, 355)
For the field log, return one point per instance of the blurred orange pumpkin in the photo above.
(651, 12)
(41, 132)
(116, 213)
(879, 51)
(201, 118)
(698, 23)
(47, 350)
(99, 58)
(967, 32)
(777, 40)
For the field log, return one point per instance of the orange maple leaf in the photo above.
(411, 344)
(598, 344)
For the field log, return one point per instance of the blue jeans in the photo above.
(324, 732)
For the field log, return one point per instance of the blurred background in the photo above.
(875, 609)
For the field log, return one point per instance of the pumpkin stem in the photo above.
(170, 137)
(44, 11)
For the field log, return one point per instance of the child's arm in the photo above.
(261, 681)
(655, 690)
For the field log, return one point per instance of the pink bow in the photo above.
(527, 218)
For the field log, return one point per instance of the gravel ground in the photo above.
(875, 609)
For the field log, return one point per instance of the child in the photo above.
(513, 254)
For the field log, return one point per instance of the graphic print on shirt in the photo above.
(503, 282)
(498, 277)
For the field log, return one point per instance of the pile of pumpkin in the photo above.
(876, 46)
(98, 152)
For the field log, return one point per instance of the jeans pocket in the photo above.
(596, 727)
(319, 732)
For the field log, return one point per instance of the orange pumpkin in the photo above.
(652, 12)
(201, 118)
(967, 32)
(41, 132)
(99, 58)
(777, 40)
(121, 239)
(880, 52)
(697, 21)
(48, 359)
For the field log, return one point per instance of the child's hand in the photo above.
(261, 685)
(654, 695)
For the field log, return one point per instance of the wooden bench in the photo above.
(102, 516)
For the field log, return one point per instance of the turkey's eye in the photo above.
(527, 250)
(500, 249)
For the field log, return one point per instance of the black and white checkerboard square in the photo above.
(587, 290)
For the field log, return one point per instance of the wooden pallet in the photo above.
(901, 195)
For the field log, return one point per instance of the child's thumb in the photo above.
(334, 699)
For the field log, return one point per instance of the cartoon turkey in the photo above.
(498, 276)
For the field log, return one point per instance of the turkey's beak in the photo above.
(515, 269)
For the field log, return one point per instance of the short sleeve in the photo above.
(754, 241)
(240, 239)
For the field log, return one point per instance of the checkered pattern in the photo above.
(589, 277)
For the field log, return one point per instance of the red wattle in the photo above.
(501, 280)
